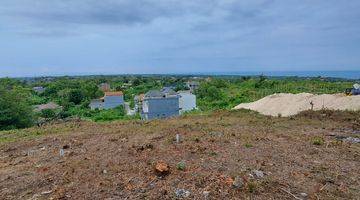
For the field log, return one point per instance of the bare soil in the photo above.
(301, 157)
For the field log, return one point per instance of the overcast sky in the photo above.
(57, 37)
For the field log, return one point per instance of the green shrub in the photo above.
(181, 166)
(318, 141)
(48, 114)
(248, 145)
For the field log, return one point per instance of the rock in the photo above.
(206, 194)
(47, 192)
(182, 193)
(62, 152)
(303, 194)
(229, 181)
(238, 182)
(177, 138)
(352, 140)
(216, 134)
(258, 173)
(104, 171)
(161, 168)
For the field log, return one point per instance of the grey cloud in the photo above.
(117, 12)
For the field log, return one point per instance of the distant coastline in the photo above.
(326, 74)
(329, 74)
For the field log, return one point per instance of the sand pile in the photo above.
(291, 104)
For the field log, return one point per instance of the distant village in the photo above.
(154, 104)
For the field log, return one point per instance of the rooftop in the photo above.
(118, 93)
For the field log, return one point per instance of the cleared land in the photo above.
(286, 104)
(305, 155)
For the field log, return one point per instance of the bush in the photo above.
(318, 141)
(48, 114)
(109, 115)
(15, 109)
(181, 166)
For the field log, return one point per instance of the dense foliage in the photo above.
(15, 109)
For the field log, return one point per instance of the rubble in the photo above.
(182, 193)
(258, 174)
(238, 182)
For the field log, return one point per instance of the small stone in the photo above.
(206, 194)
(303, 194)
(62, 152)
(46, 192)
(182, 193)
(105, 171)
(177, 138)
(258, 173)
(238, 182)
(229, 181)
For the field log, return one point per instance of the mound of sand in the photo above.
(291, 104)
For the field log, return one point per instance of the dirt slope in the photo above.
(290, 104)
(303, 156)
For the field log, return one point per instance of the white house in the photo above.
(187, 101)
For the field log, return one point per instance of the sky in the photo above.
(78, 37)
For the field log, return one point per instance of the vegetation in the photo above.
(15, 109)
(318, 141)
(74, 94)
(220, 93)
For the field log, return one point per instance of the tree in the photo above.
(75, 96)
(15, 110)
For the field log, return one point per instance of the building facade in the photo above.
(157, 105)
(109, 101)
(187, 101)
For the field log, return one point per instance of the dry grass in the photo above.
(116, 160)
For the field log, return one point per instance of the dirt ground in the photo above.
(224, 155)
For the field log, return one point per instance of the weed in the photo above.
(248, 145)
(181, 166)
(252, 187)
(213, 153)
(318, 141)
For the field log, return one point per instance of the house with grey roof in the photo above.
(158, 104)
(39, 89)
(47, 106)
(109, 101)
(193, 85)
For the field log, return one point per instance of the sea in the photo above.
(329, 74)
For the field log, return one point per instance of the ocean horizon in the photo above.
(328, 74)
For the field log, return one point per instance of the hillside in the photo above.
(224, 155)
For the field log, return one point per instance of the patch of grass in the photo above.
(252, 187)
(317, 141)
(213, 153)
(248, 145)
